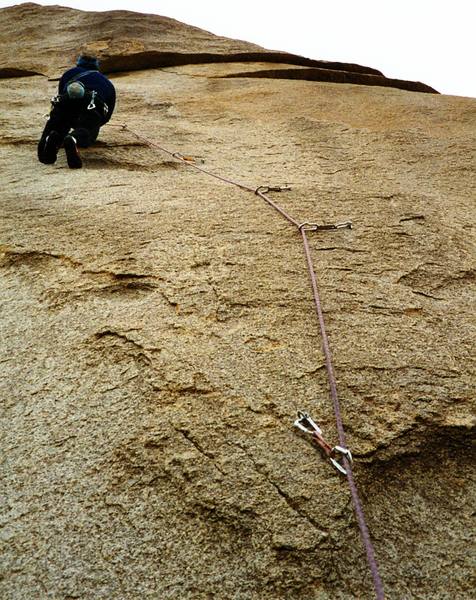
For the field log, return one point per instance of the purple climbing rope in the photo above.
(303, 227)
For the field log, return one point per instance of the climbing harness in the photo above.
(92, 103)
(304, 422)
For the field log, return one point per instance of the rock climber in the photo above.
(85, 101)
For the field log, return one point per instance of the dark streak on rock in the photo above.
(156, 59)
(337, 76)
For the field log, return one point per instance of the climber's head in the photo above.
(88, 62)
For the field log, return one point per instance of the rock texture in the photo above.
(158, 333)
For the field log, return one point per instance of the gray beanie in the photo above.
(75, 90)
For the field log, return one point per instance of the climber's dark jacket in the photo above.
(92, 80)
(84, 116)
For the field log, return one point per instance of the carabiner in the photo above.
(91, 105)
(345, 452)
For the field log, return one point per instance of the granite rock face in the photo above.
(158, 330)
(127, 41)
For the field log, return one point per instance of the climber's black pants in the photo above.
(84, 123)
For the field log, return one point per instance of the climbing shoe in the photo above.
(48, 148)
(72, 154)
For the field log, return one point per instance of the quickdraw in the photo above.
(305, 423)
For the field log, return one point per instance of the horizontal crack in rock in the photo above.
(336, 76)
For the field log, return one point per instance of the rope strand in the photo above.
(364, 532)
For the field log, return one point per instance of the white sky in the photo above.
(432, 41)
